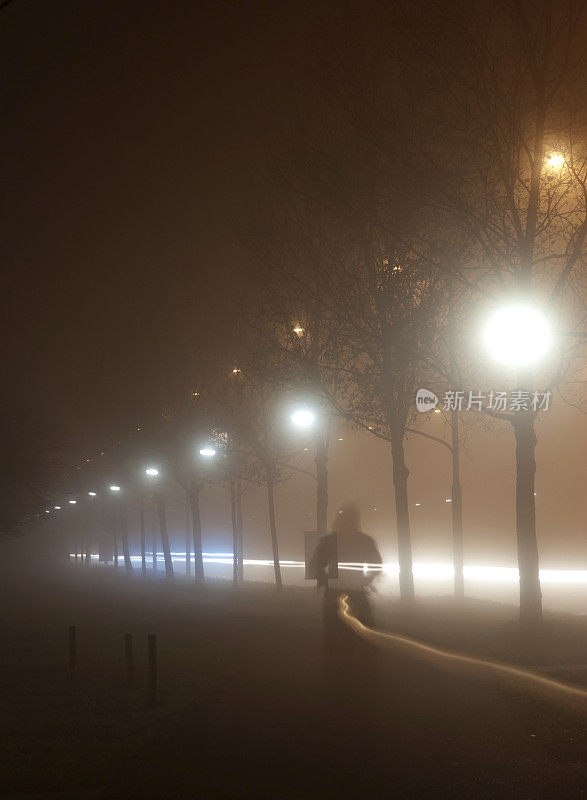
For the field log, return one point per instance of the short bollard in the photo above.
(152, 656)
(128, 657)
(71, 646)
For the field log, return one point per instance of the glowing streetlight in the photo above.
(153, 472)
(299, 331)
(115, 488)
(303, 418)
(555, 160)
(91, 494)
(72, 502)
(209, 452)
(517, 335)
(57, 508)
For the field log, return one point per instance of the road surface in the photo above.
(395, 727)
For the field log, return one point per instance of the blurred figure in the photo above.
(346, 562)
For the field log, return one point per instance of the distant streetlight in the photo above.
(517, 335)
(153, 472)
(72, 502)
(303, 418)
(57, 508)
(209, 452)
(92, 494)
(114, 488)
(299, 331)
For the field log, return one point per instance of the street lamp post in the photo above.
(142, 533)
(115, 489)
(88, 535)
(122, 524)
(159, 496)
(236, 492)
(305, 418)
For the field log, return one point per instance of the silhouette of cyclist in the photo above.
(358, 562)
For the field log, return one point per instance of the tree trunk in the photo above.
(233, 515)
(164, 536)
(402, 513)
(142, 523)
(456, 494)
(124, 537)
(194, 498)
(457, 511)
(273, 524)
(321, 462)
(239, 525)
(188, 555)
(321, 484)
(154, 539)
(528, 563)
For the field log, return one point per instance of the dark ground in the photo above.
(244, 710)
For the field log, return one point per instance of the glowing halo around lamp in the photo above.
(517, 335)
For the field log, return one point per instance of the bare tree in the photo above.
(510, 164)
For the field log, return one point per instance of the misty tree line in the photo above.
(443, 171)
(446, 173)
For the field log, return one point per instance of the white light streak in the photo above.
(424, 571)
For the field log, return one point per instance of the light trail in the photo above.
(390, 569)
(573, 697)
(421, 570)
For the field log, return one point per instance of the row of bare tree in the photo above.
(444, 172)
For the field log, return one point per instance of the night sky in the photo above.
(132, 135)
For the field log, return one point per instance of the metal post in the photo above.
(152, 658)
(72, 652)
(128, 657)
